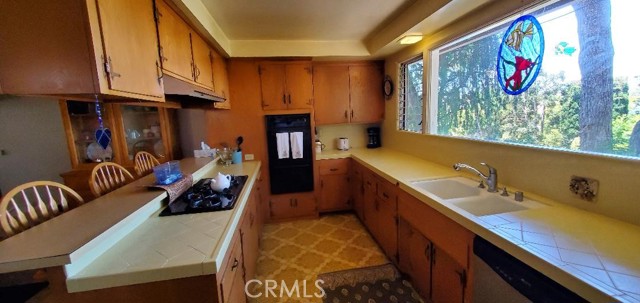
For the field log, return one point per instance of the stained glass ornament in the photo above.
(520, 55)
(103, 135)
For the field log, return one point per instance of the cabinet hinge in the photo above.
(463, 279)
(156, 14)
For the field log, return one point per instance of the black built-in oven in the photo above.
(289, 175)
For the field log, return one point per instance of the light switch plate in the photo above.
(248, 157)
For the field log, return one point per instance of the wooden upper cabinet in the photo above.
(202, 61)
(367, 102)
(80, 48)
(272, 86)
(331, 94)
(130, 46)
(286, 85)
(299, 85)
(175, 43)
(221, 80)
(348, 93)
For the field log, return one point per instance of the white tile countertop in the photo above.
(593, 255)
(163, 248)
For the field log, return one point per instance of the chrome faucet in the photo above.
(492, 179)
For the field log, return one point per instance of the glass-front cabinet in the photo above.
(143, 131)
(134, 127)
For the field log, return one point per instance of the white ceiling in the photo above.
(318, 28)
(301, 19)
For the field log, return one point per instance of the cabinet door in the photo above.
(250, 237)
(292, 206)
(331, 94)
(367, 102)
(448, 278)
(414, 256)
(202, 65)
(131, 46)
(357, 189)
(334, 192)
(221, 80)
(299, 85)
(272, 86)
(175, 46)
(370, 209)
(237, 294)
(388, 227)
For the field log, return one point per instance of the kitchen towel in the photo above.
(296, 145)
(282, 142)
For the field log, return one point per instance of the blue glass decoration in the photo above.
(103, 135)
(520, 55)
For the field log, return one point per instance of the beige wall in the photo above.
(357, 134)
(32, 135)
(540, 171)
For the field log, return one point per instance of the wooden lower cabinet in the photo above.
(292, 206)
(380, 212)
(335, 193)
(250, 236)
(449, 278)
(446, 247)
(357, 190)
(414, 257)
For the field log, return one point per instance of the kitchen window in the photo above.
(410, 101)
(586, 97)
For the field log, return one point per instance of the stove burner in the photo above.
(201, 198)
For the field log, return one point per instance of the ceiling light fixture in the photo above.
(410, 39)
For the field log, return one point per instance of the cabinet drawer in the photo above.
(334, 167)
(292, 206)
(387, 191)
(232, 266)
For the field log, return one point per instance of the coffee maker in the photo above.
(374, 137)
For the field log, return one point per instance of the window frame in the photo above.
(403, 81)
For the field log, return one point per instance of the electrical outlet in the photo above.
(3, 152)
(585, 188)
(248, 157)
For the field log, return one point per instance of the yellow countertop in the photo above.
(61, 240)
(593, 255)
(172, 247)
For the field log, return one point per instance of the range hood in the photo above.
(178, 90)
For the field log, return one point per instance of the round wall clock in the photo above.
(387, 87)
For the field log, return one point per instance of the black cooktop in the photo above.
(201, 198)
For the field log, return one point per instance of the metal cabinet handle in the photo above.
(289, 98)
(333, 169)
(345, 114)
(385, 195)
(235, 264)
(284, 99)
(108, 67)
(352, 114)
(159, 72)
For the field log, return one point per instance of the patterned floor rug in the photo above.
(376, 284)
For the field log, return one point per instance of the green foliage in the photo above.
(472, 104)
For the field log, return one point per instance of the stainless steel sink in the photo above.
(450, 188)
(489, 205)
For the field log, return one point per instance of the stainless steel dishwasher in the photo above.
(500, 277)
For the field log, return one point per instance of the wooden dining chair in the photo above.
(108, 176)
(144, 163)
(33, 203)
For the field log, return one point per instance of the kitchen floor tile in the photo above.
(302, 249)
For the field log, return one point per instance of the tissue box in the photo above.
(204, 153)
